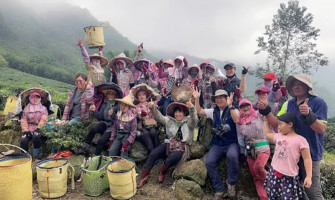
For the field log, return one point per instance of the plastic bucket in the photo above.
(94, 36)
(122, 178)
(95, 180)
(52, 175)
(16, 180)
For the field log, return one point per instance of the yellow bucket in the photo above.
(94, 36)
(122, 178)
(16, 180)
(10, 105)
(52, 177)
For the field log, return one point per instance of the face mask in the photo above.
(194, 74)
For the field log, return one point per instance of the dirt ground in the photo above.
(152, 190)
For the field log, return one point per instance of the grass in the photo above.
(12, 82)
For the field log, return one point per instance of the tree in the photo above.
(290, 41)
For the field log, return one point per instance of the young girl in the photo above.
(253, 142)
(282, 180)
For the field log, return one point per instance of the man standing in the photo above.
(311, 112)
(224, 141)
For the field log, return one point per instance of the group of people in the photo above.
(137, 100)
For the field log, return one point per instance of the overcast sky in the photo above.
(221, 29)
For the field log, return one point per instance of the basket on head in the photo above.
(94, 36)
(122, 178)
(15, 174)
(95, 180)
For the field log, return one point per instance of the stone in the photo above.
(10, 136)
(197, 150)
(187, 190)
(194, 170)
(138, 152)
(205, 132)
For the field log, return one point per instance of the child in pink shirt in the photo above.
(282, 180)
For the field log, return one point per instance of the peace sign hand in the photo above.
(230, 99)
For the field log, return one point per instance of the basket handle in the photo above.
(73, 187)
(5, 145)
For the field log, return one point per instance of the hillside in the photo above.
(13, 82)
(42, 39)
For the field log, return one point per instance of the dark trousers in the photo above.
(149, 138)
(25, 139)
(102, 142)
(160, 153)
(214, 156)
(115, 149)
(99, 128)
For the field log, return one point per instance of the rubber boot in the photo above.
(144, 178)
(162, 173)
(37, 153)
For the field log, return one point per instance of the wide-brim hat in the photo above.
(229, 65)
(137, 63)
(105, 87)
(219, 93)
(151, 94)
(206, 64)
(127, 100)
(103, 60)
(122, 56)
(302, 78)
(169, 62)
(173, 105)
(194, 66)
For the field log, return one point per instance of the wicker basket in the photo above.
(95, 181)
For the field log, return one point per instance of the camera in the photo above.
(221, 130)
(250, 148)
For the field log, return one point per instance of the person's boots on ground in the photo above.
(162, 173)
(144, 178)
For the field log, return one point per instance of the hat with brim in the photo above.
(194, 66)
(219, 93)
(171, 108)
(122, 56)
(138, 64)
(103, 60)
(270, 75)
(126, 100)
(203, 64)
(229, 65)
(169, 62)
(151, 94)
(106, 87)
(304, 78)
(262, 89)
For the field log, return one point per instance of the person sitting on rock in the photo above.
(34, 117)
(147, 125)
(79, 100)
(224, 141)
(124, 129)
(106, 115)
(180, 122)
(94, 65)
(253, 143)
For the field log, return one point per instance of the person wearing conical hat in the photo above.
(121, 73)
(34, 117)
(105, 114)
(311, 113)
(147, 125)
(94, 65)
(124, 129)
(147, 72)
(180, 122)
